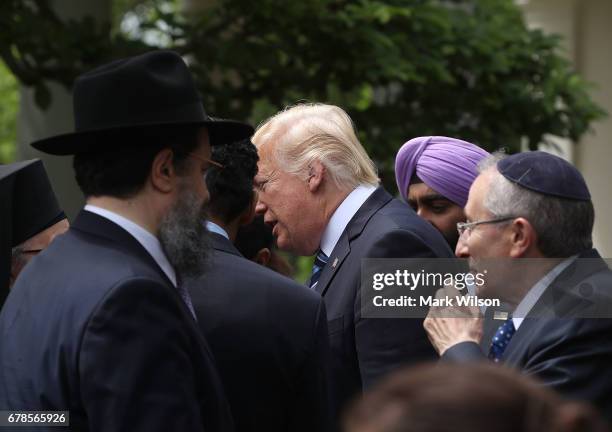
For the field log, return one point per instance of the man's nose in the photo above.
(462, 251)
(260, 208)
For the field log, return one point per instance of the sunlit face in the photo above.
(438, 210)
(34, 245)
(484, 242)
(289, 207)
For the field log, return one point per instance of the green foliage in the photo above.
(9, 94)
(303, 268)
(401, 68)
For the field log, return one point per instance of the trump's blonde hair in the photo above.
(304, 133)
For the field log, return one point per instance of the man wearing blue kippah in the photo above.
(536, 207)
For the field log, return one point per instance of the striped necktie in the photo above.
(317, 268)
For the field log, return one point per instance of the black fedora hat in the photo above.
(152, 90)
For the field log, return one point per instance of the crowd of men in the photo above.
(164, 306)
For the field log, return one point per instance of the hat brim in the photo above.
(221, 131)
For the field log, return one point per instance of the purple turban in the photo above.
(447, 165)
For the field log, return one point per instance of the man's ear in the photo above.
(263, 257)
(316, 175)
(162, 171)
(523, 238)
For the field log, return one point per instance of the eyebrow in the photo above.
(259, 179)
(434, 197)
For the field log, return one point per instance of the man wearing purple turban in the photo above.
(434, 175)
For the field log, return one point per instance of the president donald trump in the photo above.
(320, 192)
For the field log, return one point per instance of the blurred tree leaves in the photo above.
(401, 68)
(9, 94)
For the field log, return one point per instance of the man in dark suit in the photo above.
(30, 218)
(319, 190)
(532, 218)
(268, 334)
(98, 324)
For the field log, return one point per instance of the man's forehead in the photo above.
(478, 192)
(265, 166)
(43, 238)
(203, 144)
(420, 191)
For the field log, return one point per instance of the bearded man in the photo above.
(434, 175)
(99, 324)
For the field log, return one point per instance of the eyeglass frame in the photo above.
(209, 161)
(462, 227)
(31, 251)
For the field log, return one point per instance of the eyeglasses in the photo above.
(32, 251)
(462, 227)
(208, 161)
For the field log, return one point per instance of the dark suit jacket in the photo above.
(572, 355)
(269, 337)
(93, 326)
(363, 350)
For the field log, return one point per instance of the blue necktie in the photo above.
(317, 268)
(501, 340)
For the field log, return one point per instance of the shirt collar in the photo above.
(534, 294)
(213, 227)
(144, 237)
(343, 215)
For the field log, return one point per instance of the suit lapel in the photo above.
(336, 259)
(378, 199)
(557, 301)
(99, 226)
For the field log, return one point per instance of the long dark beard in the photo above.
(184, 237)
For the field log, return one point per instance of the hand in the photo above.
(449, 325)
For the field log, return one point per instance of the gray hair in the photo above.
(564, 226)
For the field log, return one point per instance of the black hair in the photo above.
(231, 187)
(122, 170)
(415, 179)
(253, 237)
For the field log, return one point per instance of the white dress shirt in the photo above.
(343, 215)
(534, 294)
(144, 237)
(213, 227)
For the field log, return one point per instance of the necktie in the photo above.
(185, 296)
(501, 340)
(317, 268)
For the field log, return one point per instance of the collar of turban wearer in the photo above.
(447, 165)
(29, 207)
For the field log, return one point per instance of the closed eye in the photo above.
(260, 184)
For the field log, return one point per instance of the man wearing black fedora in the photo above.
(99, 323)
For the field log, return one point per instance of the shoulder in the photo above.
(396, 226)
(74, 275)
(228, 271)
(138, 299)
